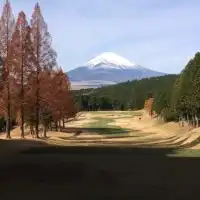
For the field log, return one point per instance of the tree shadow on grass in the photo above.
(100, 173)
(101, 131)
(133, 151)
(18, 144)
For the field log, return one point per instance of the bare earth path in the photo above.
(117, 156)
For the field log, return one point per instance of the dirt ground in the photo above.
(94, 165)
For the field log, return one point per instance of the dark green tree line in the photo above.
(125, 96)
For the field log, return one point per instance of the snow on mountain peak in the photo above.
(110, 60)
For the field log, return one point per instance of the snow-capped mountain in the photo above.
(108, 68)
(110, 60)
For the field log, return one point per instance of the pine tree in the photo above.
(174, 99)
(186, 99)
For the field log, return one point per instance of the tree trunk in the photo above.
(63, 123)
(22, 95)
(37, 111)
(8, 128)
(179, 119)
(45, 131)
(50, 126)
(197, 121)
(38, 82)
(193, 121)
(32, 131)
(182, 123)
(188, 121)
(8, 84)
(22, 121)
(59, 126)
(8, 115)
(56, 123)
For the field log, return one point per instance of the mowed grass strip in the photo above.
(122, 113)
(185, 153)
(102, 126)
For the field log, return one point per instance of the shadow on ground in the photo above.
(52, 172)
(101, 131)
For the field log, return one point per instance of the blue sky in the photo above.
(161, 35)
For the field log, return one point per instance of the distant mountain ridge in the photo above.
(108, 68)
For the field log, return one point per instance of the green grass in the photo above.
(186, 153)
(102, 126)
(101, 123)
(132, 113)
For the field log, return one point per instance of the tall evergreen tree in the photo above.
(186, 92)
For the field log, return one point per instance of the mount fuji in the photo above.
(106, 69)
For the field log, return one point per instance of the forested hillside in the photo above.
(128, 95)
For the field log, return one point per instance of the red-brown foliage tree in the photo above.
(23, 59)
(32, 85)
(62, 104)
(45, 55)
(6, 29)
(46, 89)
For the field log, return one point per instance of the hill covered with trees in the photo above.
(123, 96)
